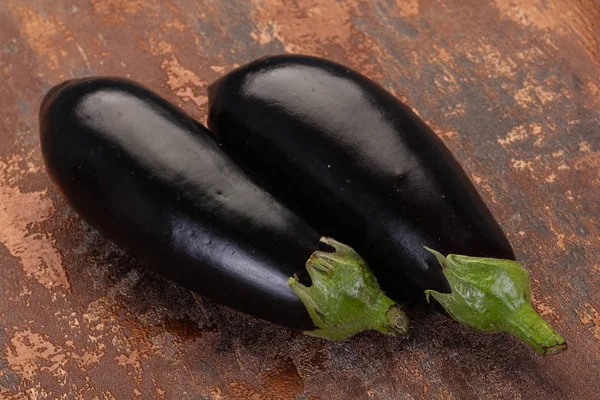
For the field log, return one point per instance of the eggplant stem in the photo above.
(344, 297)
(494, 295)
(530, 327)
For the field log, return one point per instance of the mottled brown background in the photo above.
(513, 88)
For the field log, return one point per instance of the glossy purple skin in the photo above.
(357, 164)
(156, 182)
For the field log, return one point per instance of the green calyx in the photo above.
(344, 297)
(494, 295)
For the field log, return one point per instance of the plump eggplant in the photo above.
(361, 166)
(155, 182)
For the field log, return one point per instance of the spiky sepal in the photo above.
(494, 295)
(344, 297)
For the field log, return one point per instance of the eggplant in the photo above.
(361, 166)
(156, 182)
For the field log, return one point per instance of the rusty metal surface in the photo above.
(513, 88)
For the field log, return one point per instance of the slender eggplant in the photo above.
(361, 166)
(157, 183)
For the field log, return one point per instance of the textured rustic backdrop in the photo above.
(513, 88)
